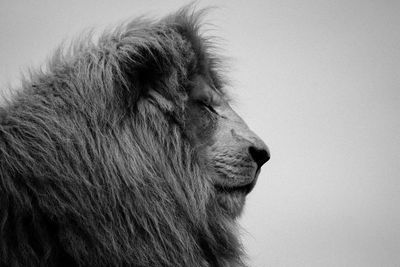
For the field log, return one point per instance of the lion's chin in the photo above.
(231, 202)
(233, 197)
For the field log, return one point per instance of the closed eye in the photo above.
(208, 107)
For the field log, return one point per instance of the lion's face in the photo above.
(233, 152)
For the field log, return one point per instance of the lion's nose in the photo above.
(259, 155)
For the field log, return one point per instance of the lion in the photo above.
(124, 151)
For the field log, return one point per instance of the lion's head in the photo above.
(125, 152)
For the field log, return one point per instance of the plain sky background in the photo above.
(319, 81)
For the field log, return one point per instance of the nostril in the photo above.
(260, 156)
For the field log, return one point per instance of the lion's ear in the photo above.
(163, 56)
(142, 66)
(152, 59)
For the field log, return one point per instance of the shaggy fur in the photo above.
(96, 165)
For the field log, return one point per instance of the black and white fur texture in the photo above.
(103, 155)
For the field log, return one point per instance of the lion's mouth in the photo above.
(242, 189)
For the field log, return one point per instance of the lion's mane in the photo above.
(95, 167)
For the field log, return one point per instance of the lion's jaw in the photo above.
(235, 178)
